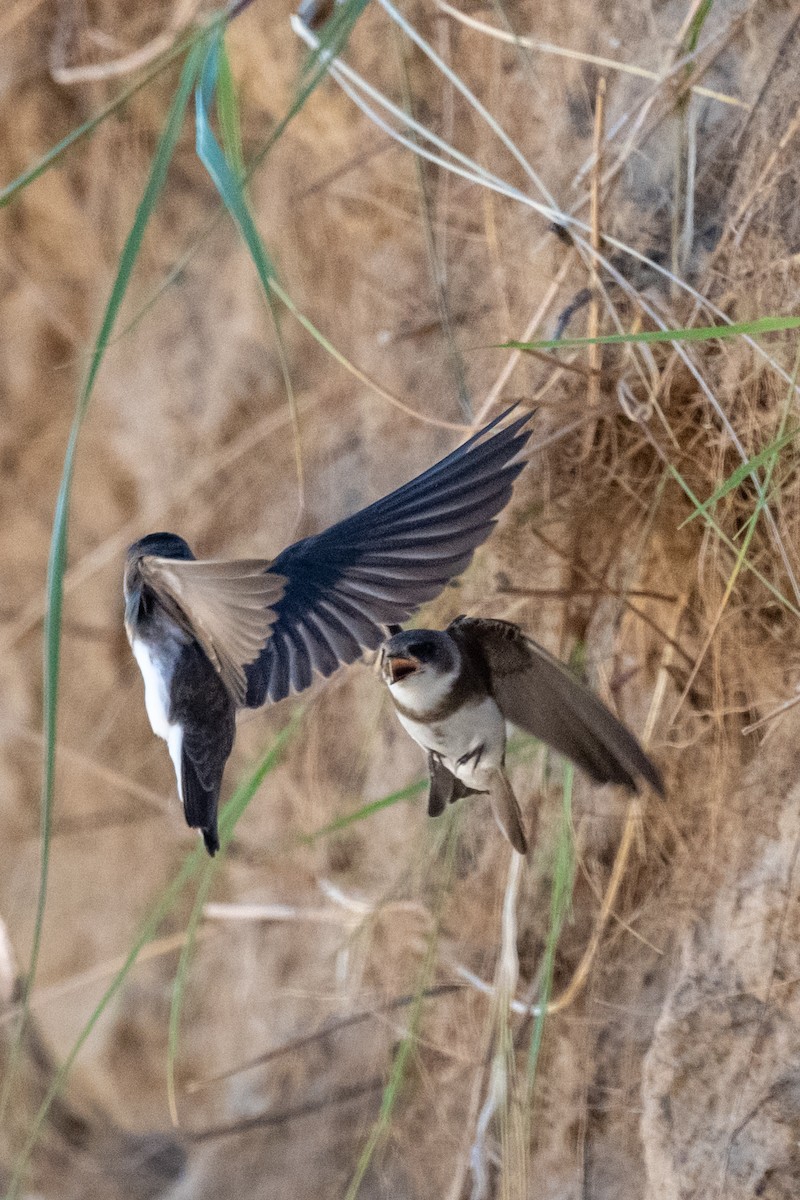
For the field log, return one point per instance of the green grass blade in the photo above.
(518, 746)
(58, 545)
(560, 898)
(230, 187)
(47, 160)
(772, 454)
(700, 334)
(355, 9)
(228, 820)
(332, 41)
(163, 906)
(240, 799)
(695, 28)
(213, 159)
(333, 36)
(367, 810)
(726, 541)
(228, 113)
(146, 934)
(737, 477)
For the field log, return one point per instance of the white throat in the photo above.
(424, 689)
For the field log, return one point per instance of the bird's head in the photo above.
(157, 545)
(160, 545)
(418, 654)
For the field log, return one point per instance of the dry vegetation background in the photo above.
(674, 1070)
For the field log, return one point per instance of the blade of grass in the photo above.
(695, 29)
(331, 41)
(354, 7)
(741, 558)
(10, 190)
(737, 477)
(700, 334)
(193, 862)
(333, 37)
(146, 934)
(58, 544)
(228, 113)
(367, 810)
(229, 185)
(723, 537)
(213, 159)
(229, 818)
(518, 745)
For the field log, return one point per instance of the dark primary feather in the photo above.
(371, 570)
(539, 694)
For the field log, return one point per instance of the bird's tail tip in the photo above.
(507, 811)
(211, 839)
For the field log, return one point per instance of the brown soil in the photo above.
(673, 1070)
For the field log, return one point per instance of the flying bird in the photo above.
(213, 637)
(453, 691)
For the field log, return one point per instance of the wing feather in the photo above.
(539, 694)
(228, 606)
(344, 586)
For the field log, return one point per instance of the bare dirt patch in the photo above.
(672, 1071)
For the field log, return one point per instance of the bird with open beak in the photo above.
(213, 637)
(455, 689)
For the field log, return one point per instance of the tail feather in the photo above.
(200, 803)
(507, 812)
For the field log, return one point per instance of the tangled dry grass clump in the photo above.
(365, 1009)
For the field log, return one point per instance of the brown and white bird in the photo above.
(455, 689)
(214, 637)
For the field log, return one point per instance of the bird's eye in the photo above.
(421, 650)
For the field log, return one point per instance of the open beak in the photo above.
(397, 667)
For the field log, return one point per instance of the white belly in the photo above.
(156, 688)
(157, 675)
(472, 725)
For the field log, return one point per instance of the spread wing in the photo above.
(540, 695)
(344, 586)
(229, 607)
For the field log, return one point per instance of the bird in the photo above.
(453, 691)
(212, 637)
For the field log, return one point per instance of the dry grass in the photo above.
(662, 1070)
